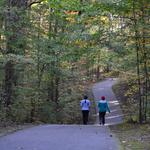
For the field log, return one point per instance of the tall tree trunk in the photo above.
(138, 63)
(145, 59)
(9, 72)
(50, 85)
(98, 65)
(57, 91)
(12, 19)
(50, 90)
(1, 26)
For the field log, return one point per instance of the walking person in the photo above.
(85, 107)
(103, 108)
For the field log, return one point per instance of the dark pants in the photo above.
(102, 117)
(85, 115)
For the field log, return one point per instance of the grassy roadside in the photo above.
(132, 135)
(13, 128)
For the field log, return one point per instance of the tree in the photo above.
(13, 29)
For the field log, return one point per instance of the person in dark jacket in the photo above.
(103, 108)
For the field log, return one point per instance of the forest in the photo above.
(52, 50)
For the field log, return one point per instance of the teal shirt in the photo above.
(103, 106)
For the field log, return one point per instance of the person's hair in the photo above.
(85, 97)
(103, 97)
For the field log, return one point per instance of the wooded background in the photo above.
(51, 49)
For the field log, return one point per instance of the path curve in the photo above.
(104, 88)
(63, 137)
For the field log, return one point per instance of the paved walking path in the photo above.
(67, 137)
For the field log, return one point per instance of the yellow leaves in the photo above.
(71, 15)
(97, 20)
(81, 43)
(70, 19)
(35, 4)
(133, 89)
(104, 19)
(94, 29)
(65, 64)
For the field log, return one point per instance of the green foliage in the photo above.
(56, 45)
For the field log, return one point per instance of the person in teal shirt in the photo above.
(103, 108)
